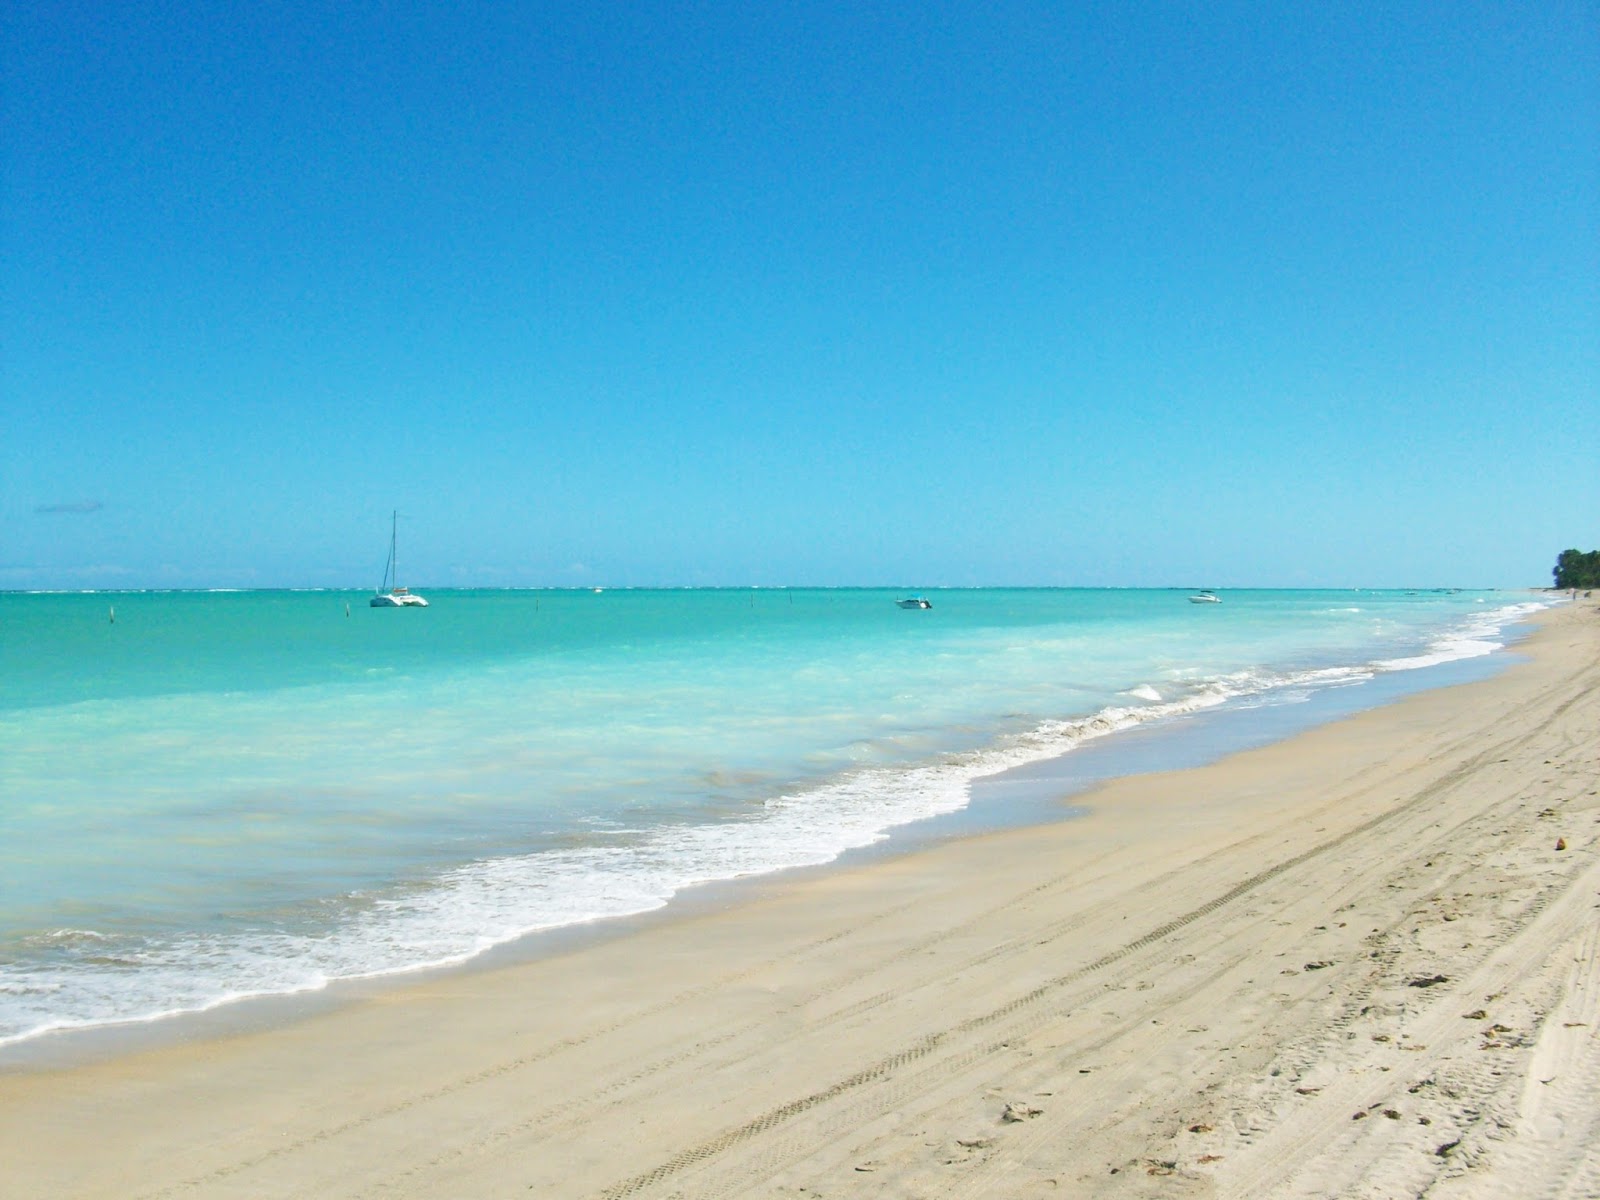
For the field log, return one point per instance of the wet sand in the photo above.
(1364, 961)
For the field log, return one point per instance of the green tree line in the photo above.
(1575, 569)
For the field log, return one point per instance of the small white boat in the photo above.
(1205, 598)
(915, 602)
(395, 596)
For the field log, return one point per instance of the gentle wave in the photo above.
(1478, 636)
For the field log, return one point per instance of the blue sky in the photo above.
(1080, 294)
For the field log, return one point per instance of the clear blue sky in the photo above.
(703, 293)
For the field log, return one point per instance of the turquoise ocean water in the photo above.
(235, 794)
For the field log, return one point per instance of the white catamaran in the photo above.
(396, 596)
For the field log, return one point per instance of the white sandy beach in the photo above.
(1364, 962)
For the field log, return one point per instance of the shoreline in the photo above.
(1161, 990)
(1036, 793)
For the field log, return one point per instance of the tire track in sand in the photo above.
(947, 1040)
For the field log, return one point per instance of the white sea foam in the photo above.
(1476, 637)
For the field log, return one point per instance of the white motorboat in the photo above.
(390, 594)
(915, 602)
(1205, 598)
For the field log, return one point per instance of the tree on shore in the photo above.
(1575, 569)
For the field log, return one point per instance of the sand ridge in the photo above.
(1354, 963)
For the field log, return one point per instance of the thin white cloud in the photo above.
(76, 506)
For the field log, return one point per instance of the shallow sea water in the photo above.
(224, 795)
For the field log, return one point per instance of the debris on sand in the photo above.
(1020, 1112)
